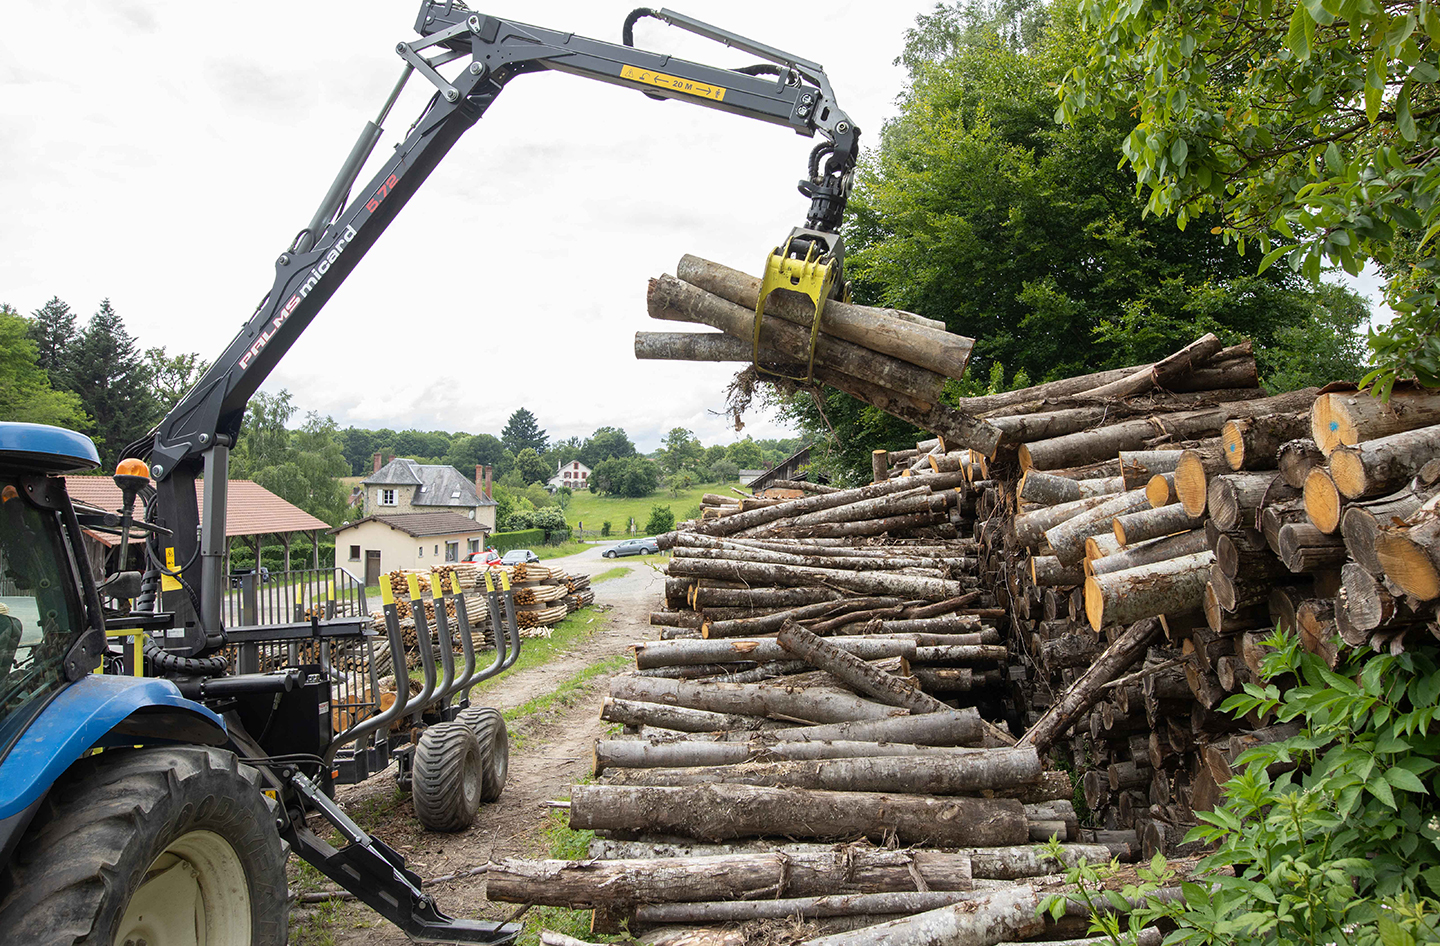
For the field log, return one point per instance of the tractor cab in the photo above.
(44, 621)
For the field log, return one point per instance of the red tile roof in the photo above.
(250, 509)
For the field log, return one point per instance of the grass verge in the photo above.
(561, 550)
(563, 696)
(565, 844)
(566, 635)
(619, 571)
(593, 509)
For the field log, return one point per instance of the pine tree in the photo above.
(106, 369)
(523, 430)
(53, 330)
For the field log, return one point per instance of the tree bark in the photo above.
(674, 300)
(811, 705)
(1068, 538)
(1296, 458)
(1039, 487)
(1146, 553)
(950, 728)
(1092, 445)
(879, 330)
(645, 754)
(1233, 498)
(650, 654)
(720, 812)
(769, 623)
(1342, 419)
(895, 525)
(587, 884)
(1046, 570)
(732, 524)
(754, 598)
(875, 583)
(1378, 466)
(679, 718)
(1165, 372)
(1139, 526)
(1174, 586)
(957, 772)
(739, 911)
(855, 672)
(691, 346)
(767, 557)
(1304, 548)
(1088, 688)
(1003, 915)
(1030, 527)
(1138, 467)
(1361, 523)
(1410, 554)
(1253, 443)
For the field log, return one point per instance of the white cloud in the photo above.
(167, 153)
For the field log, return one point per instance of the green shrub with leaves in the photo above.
(1330, 836)
(605, 528)
(662, 519)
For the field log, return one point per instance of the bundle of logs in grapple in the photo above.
(1124, 543)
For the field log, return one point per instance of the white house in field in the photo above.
(574, 474)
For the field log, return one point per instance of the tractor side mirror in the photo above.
(121, 585)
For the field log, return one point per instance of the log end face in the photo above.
(1348, 472)
(1322, 501)
(1158, 491)
(1323, 425)
(1191, 483)
(1094, 603)
(1408, 564)
(1232, 445)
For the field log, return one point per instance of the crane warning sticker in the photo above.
(673, 83)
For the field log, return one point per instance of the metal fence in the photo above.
(256, 600)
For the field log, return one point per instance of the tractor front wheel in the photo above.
(172, 847)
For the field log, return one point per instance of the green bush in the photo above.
(273, 557)
(661, 520)
(605, 528)
(503, 542)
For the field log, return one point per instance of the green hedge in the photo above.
(503, 542)
(243, 559)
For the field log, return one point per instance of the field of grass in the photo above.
(593, 509)
(536, 651)
(619, 571)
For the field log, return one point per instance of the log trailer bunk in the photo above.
(220, 742)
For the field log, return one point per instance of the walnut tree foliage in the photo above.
(1311, 126)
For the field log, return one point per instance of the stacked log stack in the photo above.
(1073, 576)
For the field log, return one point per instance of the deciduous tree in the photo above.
(25, 391)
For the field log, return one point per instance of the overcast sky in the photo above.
(163, 153)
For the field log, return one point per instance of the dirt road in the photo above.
(555, 751)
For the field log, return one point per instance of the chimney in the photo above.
(489, 472)
(479, 478)
(377, 464)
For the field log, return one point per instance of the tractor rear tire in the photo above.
(448, 777)
(153, 845)
(489, 728)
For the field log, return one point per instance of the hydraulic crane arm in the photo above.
(489, 51)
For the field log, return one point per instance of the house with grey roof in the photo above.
(403, 487)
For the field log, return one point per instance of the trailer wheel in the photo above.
(448, 777)
(165, 846)
(489, 728)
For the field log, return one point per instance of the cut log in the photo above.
(1039, 487)
(1379, 466)
(1192, 478)
(874, 583)
(769, 623)
(1030, 527)
(1253, 443)
(587, 884)
(847, 905)
(1174, 586)
(732, 524)
(950, 728)
(1322, 501)
(879, 330)
(650, 654)
(1138, 467)
(705, 597)
(1046, 570)
(1146, 553)
(1068, 538)
(811, 705)
(1165, 372)
(1232, 499)
(1409, 554)
(1361, 522)
(854, 672)
(673, 300)
(1343, 419)
(645, 754)
(1003, 915)
(1304, 548)
(1296, 459)
(678, 718)
(1126, 649)
(720, 812)
(1132, 528)
(955, 772)
(1092, 445)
